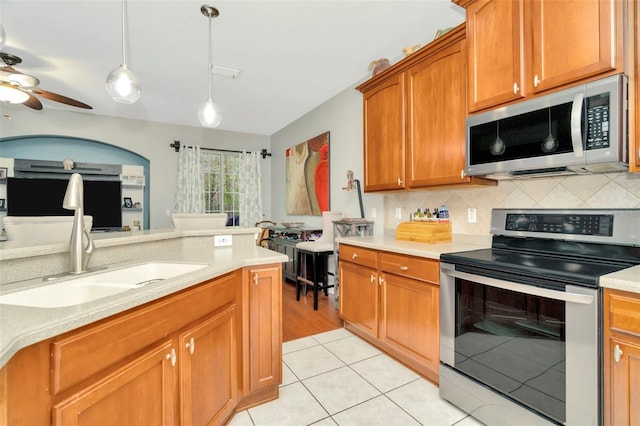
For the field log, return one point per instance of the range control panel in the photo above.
(554, 223)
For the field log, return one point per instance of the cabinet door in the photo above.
(209, 369)
(265, 326)
(436, 108)
(572, 39)
(139, 393)
(359, 297)
(384, 135)
(409, 319)
(624, 382)
(496, 61)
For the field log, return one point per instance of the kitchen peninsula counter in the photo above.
(21, 326)
(625, 280)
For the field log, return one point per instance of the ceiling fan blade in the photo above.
(33, 102)
(59, 98)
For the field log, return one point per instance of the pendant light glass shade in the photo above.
(11, 95)
(209, 113)
(122, 85)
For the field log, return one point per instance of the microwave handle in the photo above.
(576, 121)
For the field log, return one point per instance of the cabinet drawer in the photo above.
(624, 312)
(410, 266)
(82, 353)
(359, 255)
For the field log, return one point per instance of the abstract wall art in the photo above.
(307, 168)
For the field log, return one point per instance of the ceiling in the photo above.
(293, 55)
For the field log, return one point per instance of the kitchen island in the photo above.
(59, 363)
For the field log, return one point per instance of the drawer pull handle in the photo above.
(404, 268)
(400, 182)
(255, 279)
(536, 81)
(516, 88)
(617, 353)
(172, 357)
(354, 256)
(373, 279)
(191, 345)
(380, 280)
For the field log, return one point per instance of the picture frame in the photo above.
(3, 203)
(3, 172)
(128, 203)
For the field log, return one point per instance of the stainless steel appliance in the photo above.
(520, 338)
(575, 131)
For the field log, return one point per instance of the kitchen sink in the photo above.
(95, 286)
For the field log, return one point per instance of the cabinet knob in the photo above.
(373, 278)
(462, 174)
(354, 256)
(400, 182)
(255, 279)
(191, 345)
(617, 353)
(404, 268)
(172, 357)
(516, 88)
(536, 80)
(380, 280)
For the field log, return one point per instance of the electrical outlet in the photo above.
(222, 240)
(373, 212)
(399, 213)
(471, 216)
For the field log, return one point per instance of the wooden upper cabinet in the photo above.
(571, 40)
(518, 49)
(436, 115)
(495, 36)
(384, 135)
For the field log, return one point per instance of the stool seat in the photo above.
(319, 279)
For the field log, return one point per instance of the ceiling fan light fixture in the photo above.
(12, 95)
(209, 113)
(122, 84)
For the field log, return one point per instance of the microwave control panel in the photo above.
(597, 135)
(581, 224)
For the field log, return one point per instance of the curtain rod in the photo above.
(176, 145)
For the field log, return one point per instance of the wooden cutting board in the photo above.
(424, 232)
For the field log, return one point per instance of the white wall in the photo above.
(342, 117)
(148, 139)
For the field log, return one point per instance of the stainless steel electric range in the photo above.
(520, 322)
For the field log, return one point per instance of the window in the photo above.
(221, 193)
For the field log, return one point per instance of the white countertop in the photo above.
(626, 280)
(22, 326)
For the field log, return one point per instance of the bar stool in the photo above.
(318, 251)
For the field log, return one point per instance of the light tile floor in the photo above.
(336, 378)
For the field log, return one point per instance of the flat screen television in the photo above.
(44, 197)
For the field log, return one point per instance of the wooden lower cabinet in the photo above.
(392, 301)
(192, 372)
(621, 358)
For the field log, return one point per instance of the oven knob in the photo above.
(511, 226)
(532, 227)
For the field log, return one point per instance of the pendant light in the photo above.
(209, 113)
(122, 84)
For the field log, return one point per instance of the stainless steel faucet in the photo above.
(74, 200)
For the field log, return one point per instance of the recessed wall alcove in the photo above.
(57, 148)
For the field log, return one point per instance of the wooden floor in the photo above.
(298, 317)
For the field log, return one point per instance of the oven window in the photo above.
(514, 343)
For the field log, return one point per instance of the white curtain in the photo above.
(250, 189)
(190, 188)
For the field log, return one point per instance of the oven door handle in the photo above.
(522, 288)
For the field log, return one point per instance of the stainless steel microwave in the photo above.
(579, 130)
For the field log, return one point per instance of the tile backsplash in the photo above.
(614, 190)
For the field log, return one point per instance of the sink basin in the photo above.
(96, 286)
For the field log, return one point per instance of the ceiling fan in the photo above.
(20, 88)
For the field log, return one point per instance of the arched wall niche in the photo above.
(57, 148)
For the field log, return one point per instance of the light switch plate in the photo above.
(222, 240)
(398, 213)
(472, 216)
